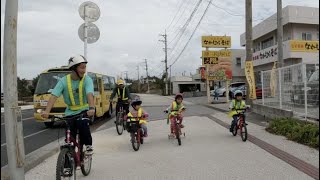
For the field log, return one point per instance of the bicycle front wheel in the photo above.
(66, 167)
(178, 133)
(86, 162)
(119, 123)
(244, 132)
(135, 140)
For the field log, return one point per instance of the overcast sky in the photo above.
(48, 32)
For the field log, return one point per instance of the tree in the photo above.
(34, 84)
(23, 90)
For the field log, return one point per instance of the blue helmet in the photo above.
(237, 93)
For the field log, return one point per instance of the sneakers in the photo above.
(145, 134)
(89, 150)
(181, 126)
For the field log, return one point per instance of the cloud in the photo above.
(129, 32)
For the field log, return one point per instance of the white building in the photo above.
(300, 38)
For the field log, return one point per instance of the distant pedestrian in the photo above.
(216, 95)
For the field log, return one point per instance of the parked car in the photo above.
(222, 91)
(234, 86)
(244, 91)
(298, 95)
(259, 90)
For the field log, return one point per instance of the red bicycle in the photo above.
(72, 153)
(177, 129)
(241, 124)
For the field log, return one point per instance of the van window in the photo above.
(94, 79)
(106, 83)
(47, 81)
(112, 82)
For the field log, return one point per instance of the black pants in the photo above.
(82, 125)
(125, 108)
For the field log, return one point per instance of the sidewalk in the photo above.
(224, 156)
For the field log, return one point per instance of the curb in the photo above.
(35, 158)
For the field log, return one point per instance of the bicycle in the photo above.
(120, 122)
(136, 133)
(241, 125)
(72, 154)
(177, 129)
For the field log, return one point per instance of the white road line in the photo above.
(22, 120)
(4, 144)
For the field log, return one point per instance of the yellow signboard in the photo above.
(216, 41)
(251, 80)
(304, 46)
(222, 53)
(221, 70)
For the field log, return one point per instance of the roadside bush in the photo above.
(295, 130)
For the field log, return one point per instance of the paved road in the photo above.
(36, 135)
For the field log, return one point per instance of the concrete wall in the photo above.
(271, 112)
(298, 29)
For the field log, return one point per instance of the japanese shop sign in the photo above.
(304, 46)
(211, 57)
(270, 53)
(216, 41)
(220, 70)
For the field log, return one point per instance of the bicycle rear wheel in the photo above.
(119, 123)
(66, 167)
(86, 162)
(135, 140)
(178, 134)
(244, 132)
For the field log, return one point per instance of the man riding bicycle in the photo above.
(77, 91)
(124, 97)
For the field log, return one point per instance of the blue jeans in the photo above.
(234, 121)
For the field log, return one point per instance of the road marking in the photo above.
(4, 144)
(22, 120)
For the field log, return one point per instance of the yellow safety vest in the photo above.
(123, 94)
(139, 117)
(74, 106)
(176, 108)
(237, 106)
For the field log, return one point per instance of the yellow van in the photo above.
(103, 86)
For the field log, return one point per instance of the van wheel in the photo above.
(49, 124)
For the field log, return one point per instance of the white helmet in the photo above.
(77, 59)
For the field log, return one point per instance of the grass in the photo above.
(295, 130)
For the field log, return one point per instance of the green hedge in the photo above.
(302, 132)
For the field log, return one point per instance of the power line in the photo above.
(205, 12)
(181, 3)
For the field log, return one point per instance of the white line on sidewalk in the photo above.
(22, 120)
(4, 144)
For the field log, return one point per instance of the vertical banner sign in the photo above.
(203, 73)
(273, 80)
(251, 80)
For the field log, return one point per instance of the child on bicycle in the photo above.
(175, 110)
(236, 103)
(138, 114)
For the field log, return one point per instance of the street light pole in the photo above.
(13, 124)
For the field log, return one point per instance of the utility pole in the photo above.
(248, 37)
(138, 78)
(13, 124)
(166, 58)
(146, 61)
(280, 33)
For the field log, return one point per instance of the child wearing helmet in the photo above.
(236, 103)
(175, 110)
(138, 114)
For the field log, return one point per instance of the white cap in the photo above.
(74, 60)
